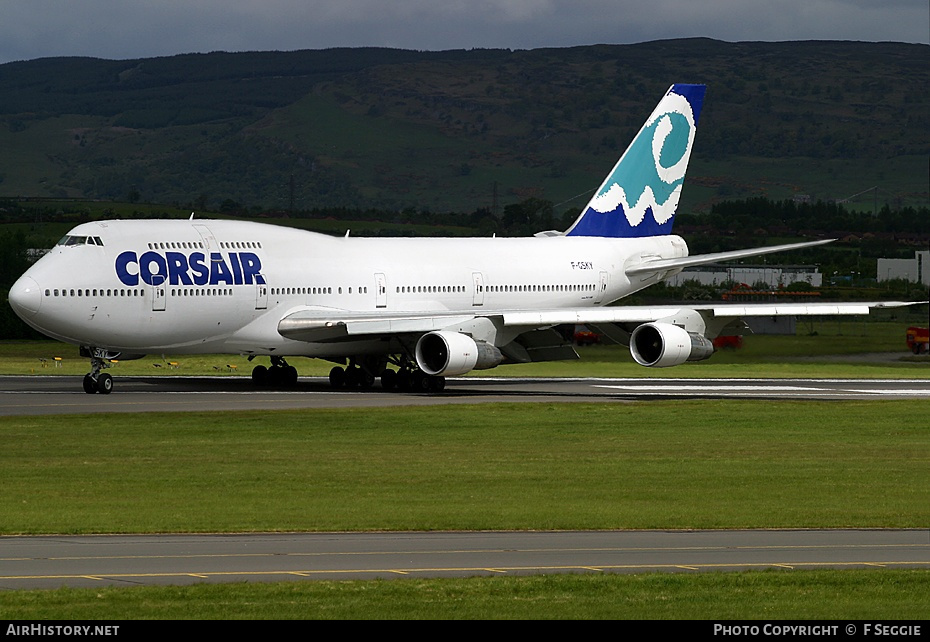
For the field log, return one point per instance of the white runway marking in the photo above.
(702, 388)
(819, 388)
(919, 393)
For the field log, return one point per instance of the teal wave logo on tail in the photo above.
(640, 196)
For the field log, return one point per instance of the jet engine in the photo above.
(453, 353)
(661, 345)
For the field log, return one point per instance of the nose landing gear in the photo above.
(95, 380)
(102, 384)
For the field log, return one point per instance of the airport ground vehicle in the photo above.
(918, 340)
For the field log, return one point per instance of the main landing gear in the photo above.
(415, 380)
(407, 378)
(361, 374)
(352, 377)
(278, 375)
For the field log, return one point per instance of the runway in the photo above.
(49, 395)
(93, 561)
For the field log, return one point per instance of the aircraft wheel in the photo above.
(404, 380)
(289, 376)
(353, 376)
(388, 379)
(90, 386)
(365, 380)
(104, 384)
(337, 377)
(260, 375)
(437, 384)
(421, 381)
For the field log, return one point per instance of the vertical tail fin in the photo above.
(640, 196)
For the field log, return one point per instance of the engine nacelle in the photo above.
(454, 353)
(660, 345)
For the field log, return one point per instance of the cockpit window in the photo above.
(80, 240)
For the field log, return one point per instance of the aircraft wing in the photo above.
(661, 336)
(327, 324)
(646, 314)
(672, 334)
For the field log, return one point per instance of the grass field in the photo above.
(771, 595)
(681, 464)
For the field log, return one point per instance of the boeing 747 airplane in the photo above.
(407, 311)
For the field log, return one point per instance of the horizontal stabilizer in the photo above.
(662, 265)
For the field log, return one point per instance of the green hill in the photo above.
(459, 130)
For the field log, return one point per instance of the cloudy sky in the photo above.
(143, 28)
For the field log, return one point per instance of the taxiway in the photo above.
(128, 560)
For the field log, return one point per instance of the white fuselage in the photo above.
(193, 286)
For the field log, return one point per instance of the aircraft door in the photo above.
(380, 290)
(261, 296)
(478, 281)
(208, 239)
(601, 288)
(158, 293)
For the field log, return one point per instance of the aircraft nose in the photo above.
(25, 296)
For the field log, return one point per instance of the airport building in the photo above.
(774, 276)
(915, 270)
